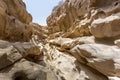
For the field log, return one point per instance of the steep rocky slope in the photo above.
(88, 32)
(80, 42)
(18, 44)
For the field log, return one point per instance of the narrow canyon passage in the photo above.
(81, 41)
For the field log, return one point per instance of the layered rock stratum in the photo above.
(80, 42)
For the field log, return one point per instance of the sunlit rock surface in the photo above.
(80, 42)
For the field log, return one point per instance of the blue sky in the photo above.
(40, 9)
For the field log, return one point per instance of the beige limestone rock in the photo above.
(4, 77)
(114, 78)
(101, 57)
(117, 42)
(30, 71)
(80, 41)
(62, 64)
(13, 66)
(68, 43)
(8, 56)
(106, 27)
(14, 21)
(26, 70)
(65, 66)
(84, 29)
(66, 17)
(39, 31)
(60, 41)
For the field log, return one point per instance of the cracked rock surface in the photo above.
(80, 42)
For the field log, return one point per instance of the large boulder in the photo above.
(25, 70)
(106, 27)
(103, 58)
(8, 56)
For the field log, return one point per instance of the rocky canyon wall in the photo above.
(19, 52)
(80, 42)
(88, 32)
(14, 21)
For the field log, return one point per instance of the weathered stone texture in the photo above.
(80, 42)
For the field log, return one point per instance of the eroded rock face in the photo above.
(81, 42)
(67, 17)
(89, 31)
(15, 21)
(106, 23)
(102, 57)
(73, 18)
